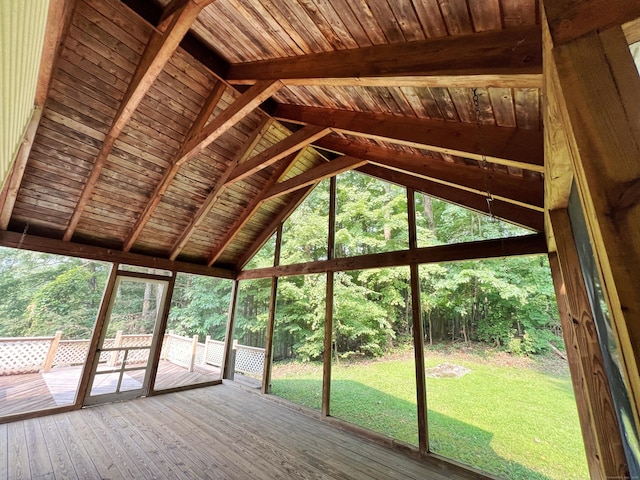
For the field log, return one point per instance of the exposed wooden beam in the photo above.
(315, 175)
(284, 212)
(481, 59)
(527, 245)
(519, 191)
(11, 188)
(71, 249)
(205, 112)
(163, 42)
(327, 355)
(271, 155)
(599, 83)
(219, 187)
(250, 209)
(510, 212)
(244, 104)
(571, 19)
(503, 145)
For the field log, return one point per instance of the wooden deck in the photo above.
(221, 432)
(40, 391)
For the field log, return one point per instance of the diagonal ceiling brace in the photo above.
(179, 17)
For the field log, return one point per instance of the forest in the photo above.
(508, 302)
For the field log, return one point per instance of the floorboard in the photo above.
(221, 432)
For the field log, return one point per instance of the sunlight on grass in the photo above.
(510, 420)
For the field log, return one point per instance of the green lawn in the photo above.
(513, 419)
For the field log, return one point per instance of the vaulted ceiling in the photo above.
(189, 130)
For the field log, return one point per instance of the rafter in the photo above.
(528, 193)
(208, 107)
(502, 145)
(315, 175)
(502, 210)
(511, 57)
(289, 145)
(296, 199)
(251, 208)
(164, 40)
(247, 102)
(219, 188)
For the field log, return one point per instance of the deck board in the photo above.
(220, 432)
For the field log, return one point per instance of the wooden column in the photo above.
(268, 347)
(227, 364)
(418, 330)
(577, 372)
(599, 85)
(51, 354)
(597, 399)
(328, 315)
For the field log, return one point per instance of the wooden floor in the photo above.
(36, 391)
(219, 432)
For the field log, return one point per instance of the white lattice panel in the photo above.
(249, 360)
(199, 354)
(215, 352)
(179, 350)
(23, 356)
(71, 352)
(137, 356)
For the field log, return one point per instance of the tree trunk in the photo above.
(427, 210)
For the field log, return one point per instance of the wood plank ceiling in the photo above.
(190, 129)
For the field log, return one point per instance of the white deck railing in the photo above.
(20, 355)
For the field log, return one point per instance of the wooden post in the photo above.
(599, 83)
(328, 312)
(268, 348)
(117, 342)
(51, 354)
(228, 363)
(418, 329)
(597, 393)
(194, 350)
(577, 372)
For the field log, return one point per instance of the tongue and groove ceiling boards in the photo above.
(188, 130)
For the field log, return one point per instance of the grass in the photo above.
(510, 416)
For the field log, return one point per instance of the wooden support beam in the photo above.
(577, 372)
(243, 105)
(327, 354)
(503, 186)
(89, 252)
(163, 42)
(417, 329)
(205, 112)
(508, 146)
(526, 245)
(271, 155)
(249, 210)
(271, 320)
(296, 199)
(220, 187)
(488, 58)
(11, 188)
(509, 212)
(599, 84)
(596, 386)
(570, 19)
(314, 176)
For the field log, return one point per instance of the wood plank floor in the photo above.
(219, 432)
(32, 392)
